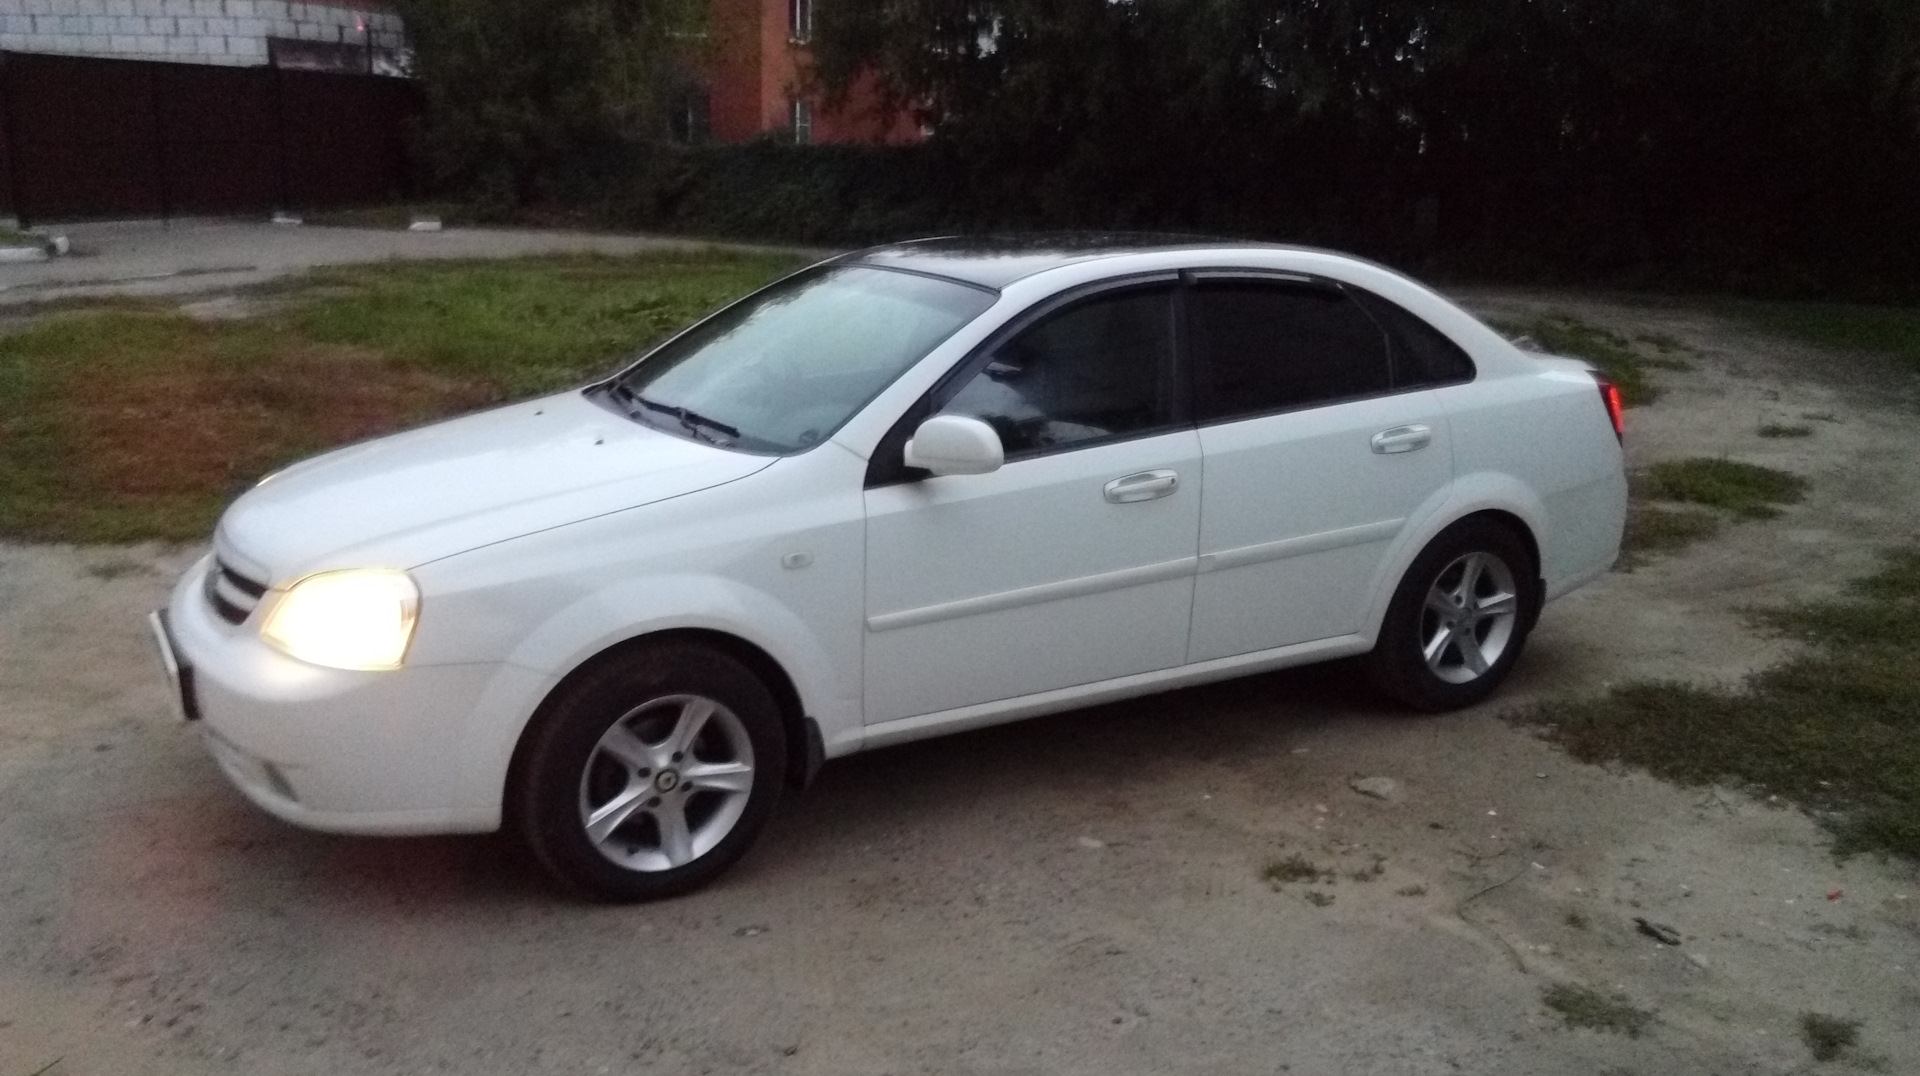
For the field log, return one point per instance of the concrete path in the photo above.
(187, 256)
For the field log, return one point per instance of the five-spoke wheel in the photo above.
(1458, 620)
(650, 771)
(667, 781)
(1471, 610)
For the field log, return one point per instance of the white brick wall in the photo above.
(200, 31)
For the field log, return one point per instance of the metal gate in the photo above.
(83, 137)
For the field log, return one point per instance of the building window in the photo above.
(802, 122)
(800, 19)
(691, 118)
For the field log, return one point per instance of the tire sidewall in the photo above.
(569, 729)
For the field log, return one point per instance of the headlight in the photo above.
(359, 619)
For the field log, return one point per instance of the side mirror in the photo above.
(955, 444)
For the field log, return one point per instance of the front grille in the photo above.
(232, 595)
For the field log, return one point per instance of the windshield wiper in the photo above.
(692, 421)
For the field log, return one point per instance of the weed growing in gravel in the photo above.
(1835, 729)
(1577, 921)
(1652, 530)
(1319, 899)
(1295, 868)
(1828, 1036)
(1778, 430)
(1371, 872)
(1665, 343)
(1583, 1006)
(1614, 354)
(1744, 489)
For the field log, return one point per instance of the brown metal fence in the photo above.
(83, 137)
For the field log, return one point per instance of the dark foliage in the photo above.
(1772, 145)
(1768, 146)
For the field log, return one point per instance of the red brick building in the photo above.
(755, 81)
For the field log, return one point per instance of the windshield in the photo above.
(782, 370)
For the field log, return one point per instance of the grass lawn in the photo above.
(1836, 730)
(130, 420)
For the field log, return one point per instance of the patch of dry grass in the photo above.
(124, 421)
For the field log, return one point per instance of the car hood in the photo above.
(403, 500)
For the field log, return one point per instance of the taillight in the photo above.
(1610, 396)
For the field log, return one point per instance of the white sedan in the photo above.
(917, 489)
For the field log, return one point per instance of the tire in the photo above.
(1449, 652)
(650, 773)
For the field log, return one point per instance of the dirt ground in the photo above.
(1077, 894)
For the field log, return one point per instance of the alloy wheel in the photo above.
(666, 782)
(1470, 615)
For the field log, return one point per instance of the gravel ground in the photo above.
(1080, 893)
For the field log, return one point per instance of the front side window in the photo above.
(783, 369)
(1275, 345)
(1098, 370)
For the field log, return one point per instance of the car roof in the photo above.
(994, 261)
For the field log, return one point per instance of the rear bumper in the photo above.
(331, 749)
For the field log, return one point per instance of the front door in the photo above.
(1071, 564)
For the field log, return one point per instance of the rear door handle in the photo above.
(1145, 486)
(1402, 439)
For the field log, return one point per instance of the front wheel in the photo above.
(1459, 619)
(652, 772)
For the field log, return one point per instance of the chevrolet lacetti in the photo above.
(908, 491)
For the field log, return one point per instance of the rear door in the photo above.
(1316, 459)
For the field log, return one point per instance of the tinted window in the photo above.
(1266, 346)
(1097, 370)
(1422, 354)
(781, 370)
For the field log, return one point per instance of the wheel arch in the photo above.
(1519, 528)
(804, 754)
(1507, 507)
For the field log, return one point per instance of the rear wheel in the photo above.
(1459, 619)
(651, 773)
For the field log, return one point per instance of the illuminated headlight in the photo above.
(359, 619)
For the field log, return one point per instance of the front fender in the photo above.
(573, 634)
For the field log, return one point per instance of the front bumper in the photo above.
(333, 749)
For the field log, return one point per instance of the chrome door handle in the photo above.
(1402, 439)
(1144, 486)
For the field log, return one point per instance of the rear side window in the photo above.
(1422, 354)
(1273, 345)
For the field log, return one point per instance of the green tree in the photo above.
(516, 91)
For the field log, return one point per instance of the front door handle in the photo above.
(1144, 486)
(1402, 439)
